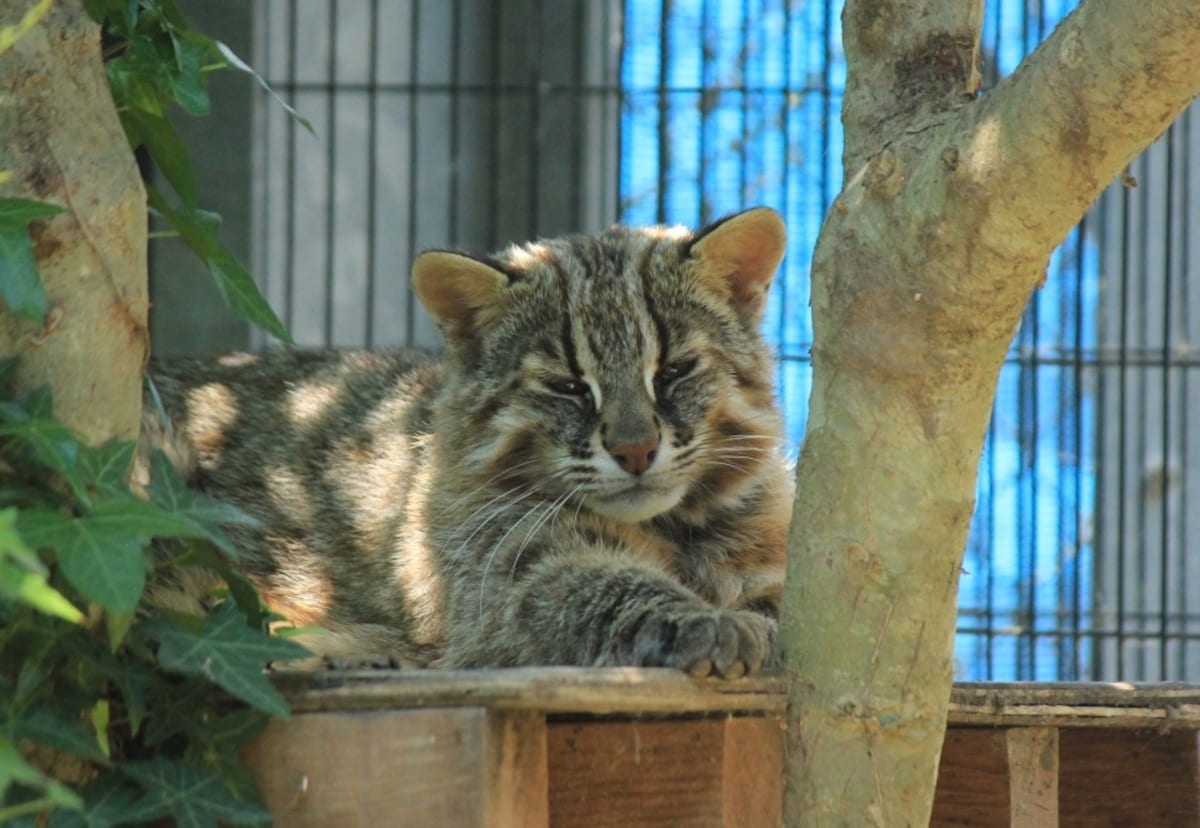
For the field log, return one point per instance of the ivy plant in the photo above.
(113, 710)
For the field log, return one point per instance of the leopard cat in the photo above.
(592, 473)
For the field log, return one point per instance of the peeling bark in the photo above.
(63, 144)
(951, 209)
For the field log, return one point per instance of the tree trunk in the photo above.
(62, 143)
(951, 208)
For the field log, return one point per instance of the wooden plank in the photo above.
(1077, 704)
(547, 689)
(1032, 776)
(636, 773)
(573, 690)
(1124, 778)
(516, 781)
(457, 767)
(753, 772)
(972, 786)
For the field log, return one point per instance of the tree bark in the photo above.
(63, 143)
(952, 206)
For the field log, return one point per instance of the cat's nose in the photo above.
(635, 456)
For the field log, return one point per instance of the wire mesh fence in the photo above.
(475, 123)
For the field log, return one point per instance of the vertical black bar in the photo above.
(1063, 511)
(1024, 579)
(261, 146)
(706, 102)
(664, 133)
(1167, 483)
(826, 103)
(496, 103)
(581, 92)
(455, 127)
(1035, 453)
(1077, 453)
(1143, 380)
(990, 577)
(536, 91)
(1185, 373)
(414, 88)
(289, 256)
(372, 166)
(781, 283)
(622, 100)
(744, 51)
(1122, 431)
(330, 172)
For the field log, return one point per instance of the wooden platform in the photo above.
(571, 747)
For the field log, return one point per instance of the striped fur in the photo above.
(592, 475)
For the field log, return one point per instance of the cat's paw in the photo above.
(705, 642)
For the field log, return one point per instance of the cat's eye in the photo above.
(676, 370)
(568, 387)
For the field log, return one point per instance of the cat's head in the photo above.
(623, 371)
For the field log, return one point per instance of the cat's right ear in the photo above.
(462, 294)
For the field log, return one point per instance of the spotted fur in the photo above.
(592, 475)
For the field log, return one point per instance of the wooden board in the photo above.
(972, 787)
(456, 767)
(660, 691)
(548, 689)
(699, 772)
(1128, 778)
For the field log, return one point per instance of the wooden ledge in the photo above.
(579, 748)
(551, 690)
(565, 691)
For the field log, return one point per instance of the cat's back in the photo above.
(233, 416)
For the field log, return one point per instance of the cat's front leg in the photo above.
(603, 608)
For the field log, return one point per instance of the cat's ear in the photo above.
(461, 293)
(738, 256)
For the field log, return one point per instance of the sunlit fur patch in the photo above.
(237, 360)
(308, 402)
(302, 591)
(211, 410)
(289, 492)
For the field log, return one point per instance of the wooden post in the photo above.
(1033, 777)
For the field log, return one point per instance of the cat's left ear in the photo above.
(738, 256)
(461, 293)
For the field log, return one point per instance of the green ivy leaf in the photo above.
(238, 586)
(134, 681)
(23, 576)
(47, 728)
(102, 559)
(229, 653)
(33, 589)
(237, 286)
(18, 212)
(50, 443)
(141, 519)
(194, 799)
(106, 801)
(235, 729)
(187, 83)
(160, 139)
(105, 468)
(14, 769)
(169, 492)
(20, 284)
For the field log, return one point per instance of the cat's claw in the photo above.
(705, 642)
